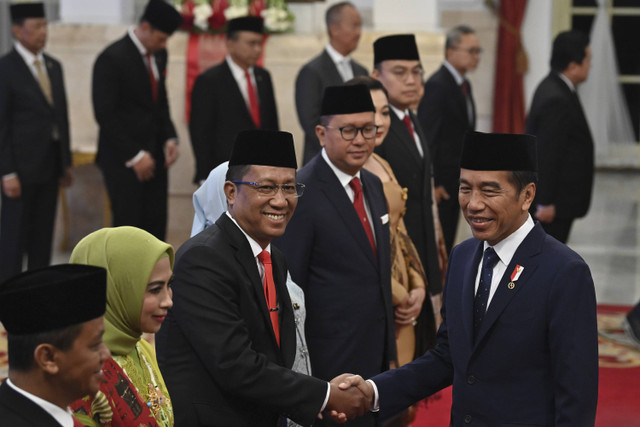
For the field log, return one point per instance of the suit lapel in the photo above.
(400, 132)
(138, 68)
(235, 92)
(331, 71)
(25, 408)
(525, 257)
(337, 196)
(285, 312)
(469, 291)
(29, 78)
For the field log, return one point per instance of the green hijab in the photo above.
(129, 255)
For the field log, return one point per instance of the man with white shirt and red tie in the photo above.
(137, 142)
(233, 96)
(35, 157)
(338, 246)
(54, 322)
(397, 66)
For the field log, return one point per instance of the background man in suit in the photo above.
(397, 66)
(137, 142)
(565, 144)
(524, 349)
(34, 143)
(228, 343)
(233, 96)
(332, 67)
(337, 244)
(53, 317)
(446, 112)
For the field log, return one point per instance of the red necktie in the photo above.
(254, 106)
(358, 203)
(465, 88)
(270, 292)
(408, 124)
(152, 78)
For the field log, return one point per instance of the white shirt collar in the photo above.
(459, 78)
(27, 56)
(236, 70)
(255, 247)
(336, 56)
(136, 41)
(507, 247)
(567, 81)
(343, 177)
(62, 416)
(400, 113)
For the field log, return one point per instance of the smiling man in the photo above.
(519, 340)
(228, 344)
(337, 244)
(54, 320)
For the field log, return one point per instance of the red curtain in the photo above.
(511, 64)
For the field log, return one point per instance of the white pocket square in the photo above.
(384, 219)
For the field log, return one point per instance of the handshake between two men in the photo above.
(350, 397)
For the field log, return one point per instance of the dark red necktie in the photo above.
(254, 106)
(465, 88)
(358, 203)
(152, 78)
(408, 124)
(270, 292)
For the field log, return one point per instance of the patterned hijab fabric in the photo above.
(129, 255)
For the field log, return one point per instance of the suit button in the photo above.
(468, 419)
(471, 379)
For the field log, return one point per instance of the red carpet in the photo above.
(619, 391)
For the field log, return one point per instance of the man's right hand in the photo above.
(11, 187)
(145, 167)
(440, 194)
(350, 397)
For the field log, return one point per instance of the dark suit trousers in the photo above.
(138, 204)
(449, 213)
(26, 226)
(559, 228)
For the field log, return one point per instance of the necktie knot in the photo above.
(355, 185)
(490, 258)
(407, 122)
(264, 257)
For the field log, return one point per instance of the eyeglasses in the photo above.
(471, 50)
(288, 190)
(349, 133)
(402, 73)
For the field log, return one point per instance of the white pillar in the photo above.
(97, 11)
(536, 35)
(405, 15)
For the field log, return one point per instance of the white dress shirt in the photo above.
(343, 63)
(62, 416)
(241, 79)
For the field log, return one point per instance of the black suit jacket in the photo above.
(565, 148)
(535, 359)
(313, 78)
(18, 411)
(27, 121)
(128, 117)
(414, 173)
(219, 112)
(217, 350)
(349, 326)
(443, 115)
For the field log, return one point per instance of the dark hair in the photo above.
(369, 82)
(569, 46)
(521, 179)
(18, 21)
(21, 347)
(454, 36)
(237, 172)
(334, 13)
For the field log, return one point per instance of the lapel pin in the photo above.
(515, 275)
(511, 285)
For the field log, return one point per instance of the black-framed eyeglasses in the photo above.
(470, 50)
(349, 133)
(288, 190)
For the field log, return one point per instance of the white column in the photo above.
(97, 11)
(536, 36)
(405, 16)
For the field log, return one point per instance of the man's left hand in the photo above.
(171, 152)
(67, 179)
(406, 314)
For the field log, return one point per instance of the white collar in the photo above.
(255, 247)
(136, 41)
(400, 113)
(567, 81)
(27, 55)
(507, 247)
(336, 56)
(459, 78)
(343, 177)
(237, 70)
(62, 416)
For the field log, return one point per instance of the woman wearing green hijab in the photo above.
(138, 268)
